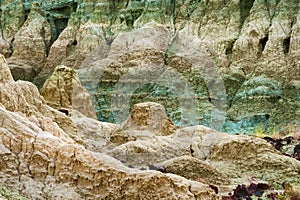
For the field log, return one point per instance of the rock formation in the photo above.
(45, 160)
(31, 44)
(47, 157)
(157, 73)
(63, 91)
(236, 41)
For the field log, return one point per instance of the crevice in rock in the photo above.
(192, 151)
(267, 3)
(190, 190)
(58, 18)
(26, 16)
(11, 47)
(173, 10)
(1, 26)
(262, 43)
(228, 51)
(168, 54)
(74, 43)
(47, 45)
(60, 25)
(286, 45)
(245, 7)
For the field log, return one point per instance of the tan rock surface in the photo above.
(57, 53)
(63, 91)
(242, 39)
(4, 48)
(196, 169)
(41, 155)
(30, 45)
(150, 116)
(237, 157)
(96, 136)
(38, 153)
(24, 98)
(248, 38)
(5, 75)
(74, 45)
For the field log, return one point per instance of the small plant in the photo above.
(10, 195)
(259, 131)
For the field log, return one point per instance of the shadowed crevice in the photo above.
(262, 42)
(286, 45)
(245, 7)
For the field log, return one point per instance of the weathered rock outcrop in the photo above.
(149, 116)
(5, 75)
(236, 157)
(49, 152)
(36, 151)
(30, 45)
(24, 98)
(196, 169)
(242, 40)
(63, 91)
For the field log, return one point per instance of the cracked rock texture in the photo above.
(50, 164)
(46, 154)
(203, 55)
(63, 91)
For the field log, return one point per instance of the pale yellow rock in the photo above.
(63, 91)
(5, 75)
(150, 116)
(96, 136)
(150, 36)
(237, 157)
(73, 46)
(24, 98)
(57, 53)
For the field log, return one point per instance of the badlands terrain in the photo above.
(150, 99)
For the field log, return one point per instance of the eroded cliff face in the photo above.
(44, 160)
(48, 153)
(239, 59)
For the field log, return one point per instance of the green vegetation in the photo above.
(9, 194)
